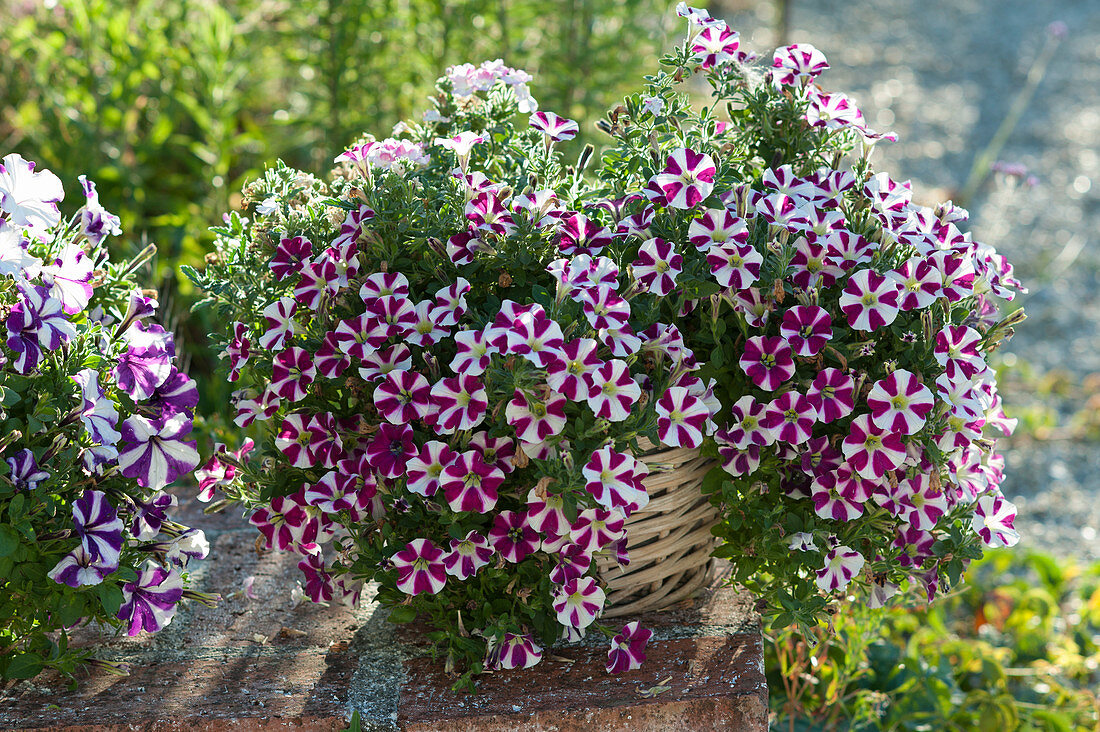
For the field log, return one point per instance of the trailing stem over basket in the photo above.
(450, 350)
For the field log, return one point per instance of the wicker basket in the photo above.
(669, 541)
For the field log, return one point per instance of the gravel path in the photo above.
(944, 74)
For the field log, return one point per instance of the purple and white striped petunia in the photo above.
(155, 453)
(487, 213)
(578, 602)
(546, 513)
(291, 256)
(811, 263)
(688, 178)
(79, 569)
(554, 127)
(734, 265)
(571, 372)
(420, 568)
(615, 480)
(842, 564)
(807, 328)
(150, 602)
(833, 393)
(281, 324)
(957, 349)
(715, 227)
(924, 505)
(23, 470)
(797, 62)
(424, 471)
(470, 484)
(681, 418)
(900, 403)
(292, 373)
(604, 308)
(830, 502)
(467, 556)
(872, 452)
(579, 234)
(767, 361)
(535, 337)
(790, 417)
(473, 354)
(716, 45)
(460, 403)
(512, 536)
(534, 418)
(515, 651)
(869, 300)
(595, 528)
(993, 519)
(99, 527)
(745, 427)
(403, 396)
(628, 648)
(657, 266)
(613, 391)
(921, 283)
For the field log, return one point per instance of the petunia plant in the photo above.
(454, 353)
(95, 419)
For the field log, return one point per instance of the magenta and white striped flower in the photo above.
(554, 127)
(425, 330)
(382, 284)
(460, 402)
(958, 350)
(424, 471)
(420, 568)
(681, 418)
(291, 255)
(811, 263)
(497, 451)
(784, 212)
(99, 528)
(957, 272)
(921, 283)
(360, 336)
(540, 207)
(613, 391)
(924, 505)
(688, 178)
(281, 324)
(716, 45)
(734, 265)
(993, 519)
(869, 300)
(790, 417)
(807, 328)
(615, 480)
(292, 373)
(285, 524)
(745, 427)
(319, 281)
(628, 647)
(487, 213)
(337, 491)
(546, 513)
(900, 403)
(470, 484)
(449, 304)
(79, 569)
(512, 536)
(848, 250)
(871, 451)
(604, 308)
(403, 396)
(535, 337)
(834, 111)
(571, 372)
(379, 363)
(149, 602)
(596, 528)
(767, 361)
(852, 485)
(534, 418)
(514, 651)
(467, 556)
(579, 234)
(833, 392)
(797, 62)
(830, 502)
(623, 342)
(715, 227)
(473, 353)
(657, 266)
(155, 453)
(842, 564)
(579, 602)
(391, 449)
(570, 561)
(396, 312)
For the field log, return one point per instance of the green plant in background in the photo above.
(1018, 647)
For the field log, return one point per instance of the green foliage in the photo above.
(1018, 647)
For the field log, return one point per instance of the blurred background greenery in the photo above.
(171, 106)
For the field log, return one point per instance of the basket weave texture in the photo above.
(669, 541)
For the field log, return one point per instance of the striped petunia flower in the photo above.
(579, 602)
(281, 324)
(512, 536)
(900, 403)
(806, 328)
(615, 480)
(391, 449)
(470, 484)
(535, 337)
(798, 62)
(149, 602)
(790, 417)
(628, 648)
(488, 214)
(570, 562)
(379, 363)
(513, 651)
(924, 504)
(958, 350)
(688, 178)
(291, 256)
(424, 471)
(79, 569)
(155, 453)
(571, 372)
(842, 564)
(596, 528)
(535, 418)
(99, 528)
(467, 556)
(811, 263)
(657, 266)
(767, 361)
(830, 502)
(869, 300)
(382, 284)
(681, 418)
(715, 227)
(734, 265)
(604, 309)
(833, 393)
(920, 282)
(460, 403)
(872, 452)
(546, 513)
(557, 129)
(420, 568)
(613, 391)
(578, 234)
(993, 519)
(473, 354)
(717, 45)
(292, 373)
(403, 396)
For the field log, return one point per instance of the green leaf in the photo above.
(110, 596)
(403, 614)
(9, 541)
(23, 666)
